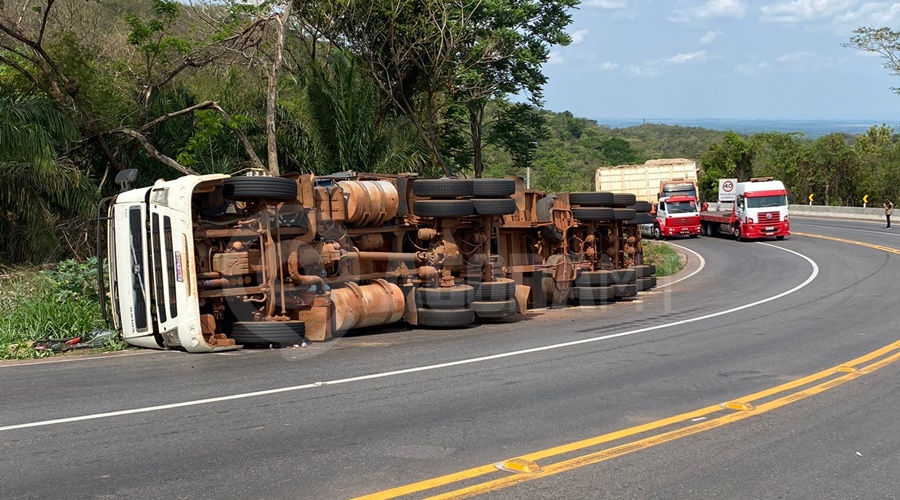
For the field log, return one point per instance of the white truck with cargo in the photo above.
(651, 180)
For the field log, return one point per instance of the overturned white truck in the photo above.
(215, 262)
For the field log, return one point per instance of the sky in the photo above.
(731, 59)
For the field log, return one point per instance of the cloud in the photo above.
(578, 36)
(795, 11)
(712, 9)
(606, 4)
(607, 66)
(869, 14)
(555, 57)
(687, 57)
(643, 71)
(803, 61)
(710, 37)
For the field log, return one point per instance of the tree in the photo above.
(882, 41)
(509, 44)
(37, 192)
(732, 158)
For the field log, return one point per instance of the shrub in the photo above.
(58, 303)
(666, 260)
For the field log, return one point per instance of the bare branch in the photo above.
(152, 151)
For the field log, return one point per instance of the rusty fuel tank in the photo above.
(370, 203)
(355, 306)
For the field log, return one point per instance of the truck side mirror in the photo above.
(125, 178)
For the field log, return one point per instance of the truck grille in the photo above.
(766, 217)
(684, 221)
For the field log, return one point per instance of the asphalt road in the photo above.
(737, 378)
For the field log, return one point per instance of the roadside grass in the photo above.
(666, 260)
(39, 310)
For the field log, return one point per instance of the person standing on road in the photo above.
(888, 210)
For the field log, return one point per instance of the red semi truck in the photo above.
(760, 210)
(676, 216)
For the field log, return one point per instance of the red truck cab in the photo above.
(677, 216)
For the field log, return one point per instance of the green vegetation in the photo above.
(666, 260)
(54, 304)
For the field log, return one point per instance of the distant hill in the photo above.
(812, 129)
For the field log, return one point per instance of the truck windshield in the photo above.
(681, 207)
(679, 191)
(778, 200)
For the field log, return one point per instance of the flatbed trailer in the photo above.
(760, 211)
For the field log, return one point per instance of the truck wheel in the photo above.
(268, 332)
(624, 213)
(594, 213)
(602, 277)
(254, 188)
(493, 188)
(625, 290)
(623, 276)
(443, 188)
(501, 289)
(646, 283)
(502, 206)
(455, 297)
(592, 198)
(657, 233)
(443, 208)
(737, 232)
(594, 295)
(622, 200)
(641, 218)
(446, 317)
(641, 207)
(494, 309)
(642, 270)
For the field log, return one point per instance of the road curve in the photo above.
(326, 422)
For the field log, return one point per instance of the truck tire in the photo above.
(737, 232)
(641, 218)
(641, 207)
(595, 278)
(623, 276)
(443, 188)
(622, 200)
(646, 283)
(624, 214)
(657, 233)
(624, 290)
(455, 297)
(594, 295)
(446, 318)
(268, 332)
(642, 270)
(443, 208)
(593, 214)
(493, 308)
(500, 289)
(591, 199)
(501, 206)
(493, 188)
(255, 188)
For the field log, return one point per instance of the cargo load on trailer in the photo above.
(651, 180)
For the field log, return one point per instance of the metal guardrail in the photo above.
(856, 213)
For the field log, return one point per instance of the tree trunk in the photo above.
(476, 126)
(272, 91)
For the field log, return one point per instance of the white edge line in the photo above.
(679, 280)
(812, 276)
